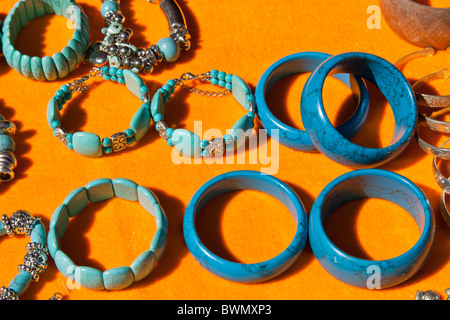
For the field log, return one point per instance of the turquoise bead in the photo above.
(53, 113)
(39, 235)
(52, 242)
(242, 128)
(39, 8)
(158, 243)
(16, 60)
(161, 218)
(140, 123)
(87, 144)
(240, 90)
(108, 6)
(78, 49)
(62, 67)
(125, 189)
(146, 199)
(31, 15)
(170, 49)
(60, 220)
(157, 104)
(37, 69)
(25, 66)
(21, 282)
(57, 7)
(71, 58)
(49, 68)
(133, 82)
(118, 278)
(187, 143)
(143, 265)
(100, 190)
(64, 264)
(76, 201)
(7, 143)
(90, 278)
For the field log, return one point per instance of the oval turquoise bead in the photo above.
(187, 143)
(71, 58)
(87, 144)
(39, 235)
(7, 143)
(88, 277)
(240, 90)
(140, 123)
(52, 242)
(133, 82)
(53, 113)
(62, 67)
(25, 66)
(118, 278)
(37, 69)
(157, 105)
(21, 282)
(170, 48)
(158, 243)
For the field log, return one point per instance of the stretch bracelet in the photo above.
(240, 272)
(427, 100)
(8, 161)
(35, 260)
(362, 184)
(392, 84)
(61, 63)
(301, 63)
(89, 144)
(96, 191)
(188, 143)
(120, 53)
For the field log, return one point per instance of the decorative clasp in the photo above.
(189, 76)
(80, 85)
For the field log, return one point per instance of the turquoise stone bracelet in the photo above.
(35, 260)
(61, 63)
(89, 144)
(188, 143)
(96, 191)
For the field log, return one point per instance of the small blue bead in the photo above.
(228, 86)
(106, 142)
(170, 49)
(105, 70)
(221, 75)
(214, 81)
(169, 132)
(143, 89)
(227, 138)
(121, 80)
(214, 73)
(222, 83)
(70, 145)
(65, 88)
(129, 133)
(106, 77)
(55, 124)
(169, 142)
(113, 71)
(69, 137)
(157, 117)
(119, 73)
(107, 150)
(130, 141)
(171, 82)
(204, 143)
(114, 78)
(228, 78)
(166, 87)
(108, 6)
(251, 115)
(249, 97)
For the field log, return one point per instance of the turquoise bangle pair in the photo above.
(189, 143)
(61, 63)
(97, 191)
(22, 223)
(90, 144)
(358, 184)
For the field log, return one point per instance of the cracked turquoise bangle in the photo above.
(392, 84)
(96, 191)
(61, 63)
(90, 144)
(189, 143)
(298, 63)
(240, 272)
(371, 183)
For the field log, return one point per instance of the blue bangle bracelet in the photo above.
(304, 62)
(371, 183)
(240, 272)
(389, 80)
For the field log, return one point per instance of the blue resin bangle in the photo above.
(304, 62)
(35, 261)
(96, 191)
(240, 272)
(61, 63)
(371, 183)
(389, 80)
(89, 144)
(189, 143)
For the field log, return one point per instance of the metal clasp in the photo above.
(79, 85)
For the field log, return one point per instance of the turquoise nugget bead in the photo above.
(21, 282)
(118, 278)
(7, 143)
(187, 143)
(87, 144)
(143, 265)
(140, 123)
(90, 278)
(170, 48)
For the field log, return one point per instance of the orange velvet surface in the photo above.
(242, 38)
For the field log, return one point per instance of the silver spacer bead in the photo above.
(162, 127)
(61, 134)
(8, 294)
(215, 147)
(36, 260)
(21, 222)
(427, 295)
(8, 163)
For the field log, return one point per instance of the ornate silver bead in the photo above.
(8, 162)
(215, 147)
(427, 295)
(8, 294)
(119, 141)
(36, 260)
(20, 222)
(61, 134)
(162, 127)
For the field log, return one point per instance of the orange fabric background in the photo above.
(242, 38)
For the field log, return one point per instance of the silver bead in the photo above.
(8, 294)
(119, 141)
(159, 56)
(36, 260)
(124, 51)
(215, 147)
(427, 295)
(7, 127)
(127, 62)
(124, 36)
(61, 134)
(148, 68)
(113, 49)
(8, 162)
(162, 127)
(22, 222)
(141, 52)
(138, 63)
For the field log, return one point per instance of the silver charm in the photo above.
(36, 259)
(8, 294)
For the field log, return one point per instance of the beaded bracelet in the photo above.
(188, 143)
(8, 161)
(61, 63)
(90, 144)
(117, 50)
(96, 191)
(35, 260)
